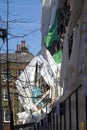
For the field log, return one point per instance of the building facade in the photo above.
(10, 71)
(70, 111)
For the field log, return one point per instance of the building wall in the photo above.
(16, 66)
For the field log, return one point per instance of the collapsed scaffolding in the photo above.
(38, 86)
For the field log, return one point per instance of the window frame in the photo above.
(5, 94)
(5, 75)
(5, 120)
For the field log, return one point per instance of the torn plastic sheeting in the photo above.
(52, 64)
(24, 87)
(26, 116)
(26, 101)
(27, 78)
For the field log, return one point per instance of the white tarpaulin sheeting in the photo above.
(73, 64)
(27, 80)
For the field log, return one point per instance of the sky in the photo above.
(24, 23)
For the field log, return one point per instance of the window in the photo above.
(5, 94)
(6, 115)
(5, 75)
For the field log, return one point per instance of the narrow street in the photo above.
(47, 90)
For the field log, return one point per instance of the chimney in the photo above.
(23, 43)
(24, 49)
(19, 47)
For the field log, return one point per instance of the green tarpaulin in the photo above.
(52, 34)
(58, 56)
